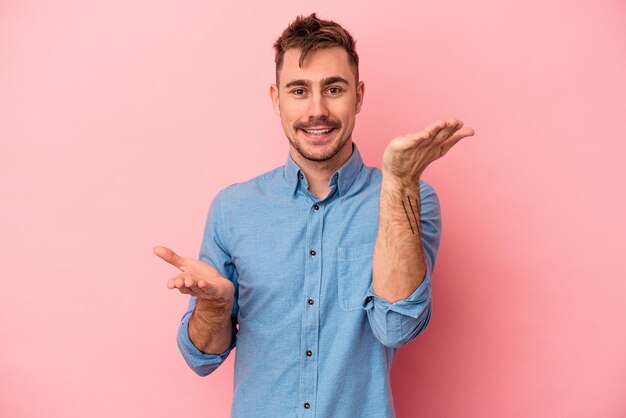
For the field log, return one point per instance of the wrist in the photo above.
(396, 183)
(210, 310)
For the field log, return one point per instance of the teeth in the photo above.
(317, 131)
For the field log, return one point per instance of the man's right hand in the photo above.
(210, 323)
(198, 279)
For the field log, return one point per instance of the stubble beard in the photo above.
(328, 155)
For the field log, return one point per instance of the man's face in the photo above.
(317, 104)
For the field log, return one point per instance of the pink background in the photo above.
(119, 121)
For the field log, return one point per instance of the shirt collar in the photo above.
(343, 178)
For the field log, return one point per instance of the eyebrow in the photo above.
(325, 82)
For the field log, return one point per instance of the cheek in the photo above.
(285, 122)
(347, 118)
(290, 114)
(345, 111)
(288, 121)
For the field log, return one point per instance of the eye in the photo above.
(334, 90)
(298, 92)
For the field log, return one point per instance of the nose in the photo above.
(317, 106)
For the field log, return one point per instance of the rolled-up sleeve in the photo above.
(201, 363)
(395, 324)
(215, 252)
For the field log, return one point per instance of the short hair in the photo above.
(310, 34)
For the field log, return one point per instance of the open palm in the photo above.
(407, 156)
(197, 278)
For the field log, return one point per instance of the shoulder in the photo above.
(250, 190)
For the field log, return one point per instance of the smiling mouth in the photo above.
(319, 131)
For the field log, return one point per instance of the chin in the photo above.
(319, 155)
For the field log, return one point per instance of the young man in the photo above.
(324, 263)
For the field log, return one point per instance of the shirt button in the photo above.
(309, 353)
(307, 405)
(313, 253)
(368, 299)
(301, 176)
(311, 301)
(316, 207)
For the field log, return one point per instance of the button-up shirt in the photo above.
(312, 338)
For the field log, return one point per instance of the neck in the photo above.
(318, 173)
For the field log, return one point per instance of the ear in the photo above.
(275, 99)
(360, 91)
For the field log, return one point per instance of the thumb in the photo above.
(168, 256)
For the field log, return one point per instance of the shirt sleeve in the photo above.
(214, 252)
(395, 324)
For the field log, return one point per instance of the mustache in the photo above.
(312, 123)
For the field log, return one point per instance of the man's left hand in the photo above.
(407, 156)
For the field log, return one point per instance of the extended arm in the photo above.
(408, 234)
(399, 265)
(209, 324)
(207, 329)
(207, 332)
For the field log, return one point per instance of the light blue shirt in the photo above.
(313, 340)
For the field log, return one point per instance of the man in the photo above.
(324, 264)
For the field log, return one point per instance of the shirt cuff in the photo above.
(200, 362)
(395, 324)
(412, 306)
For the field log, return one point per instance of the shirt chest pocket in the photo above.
(354, 274)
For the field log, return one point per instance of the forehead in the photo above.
(318, 65)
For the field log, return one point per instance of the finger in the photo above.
(169, 256)
(466, 132)
(454, 139)
(428, 135)
(179, 284)
(178, 281)
(434, 131)
(451, 126)
(434, 128)
(463, 133)
(197, 288)
(192, 285)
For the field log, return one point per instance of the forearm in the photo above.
(399, 266)
(210, 327)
